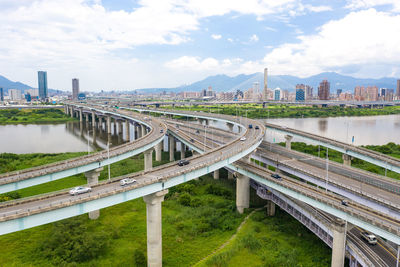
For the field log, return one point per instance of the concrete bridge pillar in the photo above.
(93, 119)
(101, 123)
(71, 111)
(109, 125)
(159, 151)
(230, 126)
(80, 115)
(93, 179)
(242, 193)
(144, 132)
(127, 132)
(154, 228)
(148, 159)
(216, 174)
(120, 127)
(183, 149)
(338, 246)
(270, 208)
(139, 131)
(171, 140)
(346, 159)
(288, 141)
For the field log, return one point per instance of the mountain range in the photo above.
(224, 83)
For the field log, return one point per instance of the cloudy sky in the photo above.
(127, 44)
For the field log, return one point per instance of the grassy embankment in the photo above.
(24, 116)
(256, 111)
(198, 217)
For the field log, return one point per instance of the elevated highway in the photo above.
(379, 159)
(33, 176)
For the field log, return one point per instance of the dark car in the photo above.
(197, 131)
(345, 202)
(161, 131)
(257, 128)
(183, 162)
(192, 140)
(276, 176)
(250, 126)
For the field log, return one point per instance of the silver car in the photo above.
(127, 181)
(79, 190)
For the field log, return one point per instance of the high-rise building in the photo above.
(14, 94)
(256, 91)
(1, 94)
(42, 80)
(265, 91)
(372, 93)
(309, 92)
(75, 88)
(324, 90)
(300, 94)
(398, 88)
(338, 92)
(277, 94)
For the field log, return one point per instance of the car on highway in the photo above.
(79, 190)
(161, 131)
(345, 202)
(127, 181)
(197, 131)
(276, 176)
(183, 162)
(370, 238)
(257, 128)
(250, 126)
(243, 139)
(192, 140)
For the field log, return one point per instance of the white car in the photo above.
(243, 139)
(127, 181)
(79, 190)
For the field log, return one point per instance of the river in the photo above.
(71, 137)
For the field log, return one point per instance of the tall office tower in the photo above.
(277, 94)
(14, 94)
(300, 94)
(338, 92)
(1, 94)
(42, 80)
(398, 88)
(324, 90)
(309, 92)
(256, 91)
(75, 88)
(265, 91)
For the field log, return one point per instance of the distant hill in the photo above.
(224, 83)
(7, 84)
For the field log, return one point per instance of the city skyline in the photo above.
(121, 46)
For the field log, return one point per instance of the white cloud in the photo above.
(254, 38)
(357, 4)
(216, 36)
(368, 39)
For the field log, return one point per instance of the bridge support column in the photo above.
(288, 141)
(158, 151)
(183, 149)
(93, 119)
(127, 132)
(93, 179)
(144, 132)
(71, 112)
(242, 193)
(138, 131)
(346, 159)
(80, 115)
(148, 159)
(171, 140)
(216, 174)
(270, 208)
(338, 246)
(154, 228)
(119, 127)
(230, 126)
(109, 125)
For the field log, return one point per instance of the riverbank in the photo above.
(26, 116)
(198, 217)
(257, 111)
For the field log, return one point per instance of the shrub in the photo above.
(185, 199)
(139, 258)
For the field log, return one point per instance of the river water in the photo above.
(73, 137)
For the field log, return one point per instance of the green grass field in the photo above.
(24, 116)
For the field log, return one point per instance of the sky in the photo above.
(127, 44)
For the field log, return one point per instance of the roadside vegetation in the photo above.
(25, 116)
(198, 217)
(390, 149)
(257, 111)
